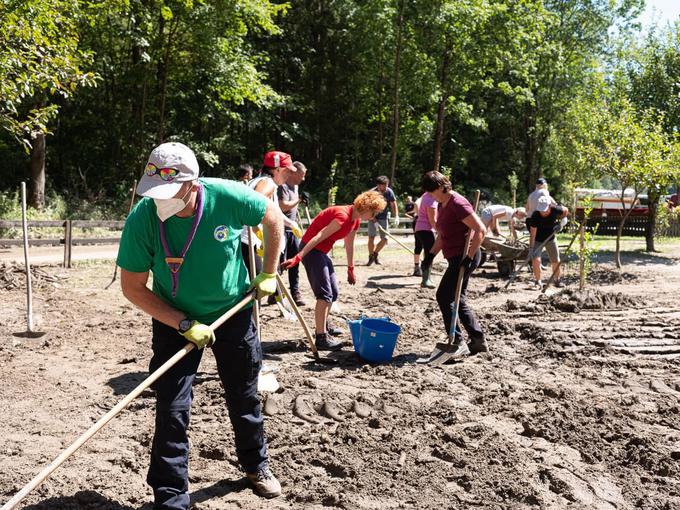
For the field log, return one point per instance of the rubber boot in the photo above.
(416, 270)
(323, 343)
(426, 283)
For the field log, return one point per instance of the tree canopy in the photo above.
(482, 89)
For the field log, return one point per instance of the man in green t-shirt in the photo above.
(186, 231)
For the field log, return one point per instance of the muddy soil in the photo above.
(572, 408)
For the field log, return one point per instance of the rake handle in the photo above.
(395, 239)
(40, 477)
(301, 319)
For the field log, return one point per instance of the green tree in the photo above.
(169, 69)
(40, 65)
(632, 148)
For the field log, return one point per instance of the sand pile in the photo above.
(574, 301)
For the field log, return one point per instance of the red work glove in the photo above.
(351, 279)
(287, 264)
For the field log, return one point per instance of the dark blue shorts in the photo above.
(321, 275)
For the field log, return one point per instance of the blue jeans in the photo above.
(238, 354)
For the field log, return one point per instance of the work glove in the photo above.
(297, 231)
(199, 334)
(259, 251)
(351, 278)
(304, 198)
(395, 221)
(264, 284)
(287, 264)
(259, 234)
(467, 263)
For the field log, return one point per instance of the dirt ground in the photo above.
(577, 405)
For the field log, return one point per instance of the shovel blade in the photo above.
(444, 352)
(322, 360)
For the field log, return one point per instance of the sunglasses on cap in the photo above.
(166, 174)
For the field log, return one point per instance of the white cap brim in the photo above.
(154, 187)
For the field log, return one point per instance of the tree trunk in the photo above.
(397, 76)
(441, 109)
(137, 141)
(381, 123)
(163, 70)
(619, 230)
(531, 150)
(439, 134)
(650, 229)
(36, 197)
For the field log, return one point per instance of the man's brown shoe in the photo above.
(297, 297)
(265, 483)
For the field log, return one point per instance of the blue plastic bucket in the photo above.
(377, 340)
(355, 329)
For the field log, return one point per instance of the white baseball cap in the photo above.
(170, 164)
(543, 203)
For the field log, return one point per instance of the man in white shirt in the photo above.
(492, 214)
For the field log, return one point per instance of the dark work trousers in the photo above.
(426, 238)
(446, 298)
(292, 248)
(419, 245)
(246, 258)
(238, 354)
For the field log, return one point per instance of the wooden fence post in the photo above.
(582, 261)
(68, 243)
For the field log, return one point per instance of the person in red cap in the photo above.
(276, 169)
(330, 225)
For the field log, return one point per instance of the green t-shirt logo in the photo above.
(221, 233)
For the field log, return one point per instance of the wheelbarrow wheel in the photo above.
(505, 268)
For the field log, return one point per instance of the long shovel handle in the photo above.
(301, 319)
(251, 263)
(309, 218)
(395, 239)
(461, 274)
(40, 477)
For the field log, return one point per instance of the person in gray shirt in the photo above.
(540, 191)
(289, 199)
(381, 186)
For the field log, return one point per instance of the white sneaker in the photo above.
(538, 285)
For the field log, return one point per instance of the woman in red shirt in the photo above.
(330, 225)
(455, 218)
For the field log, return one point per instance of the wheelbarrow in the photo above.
(506, 253)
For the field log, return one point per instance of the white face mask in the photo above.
(168, 207)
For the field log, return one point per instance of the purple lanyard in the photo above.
(175, 263)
